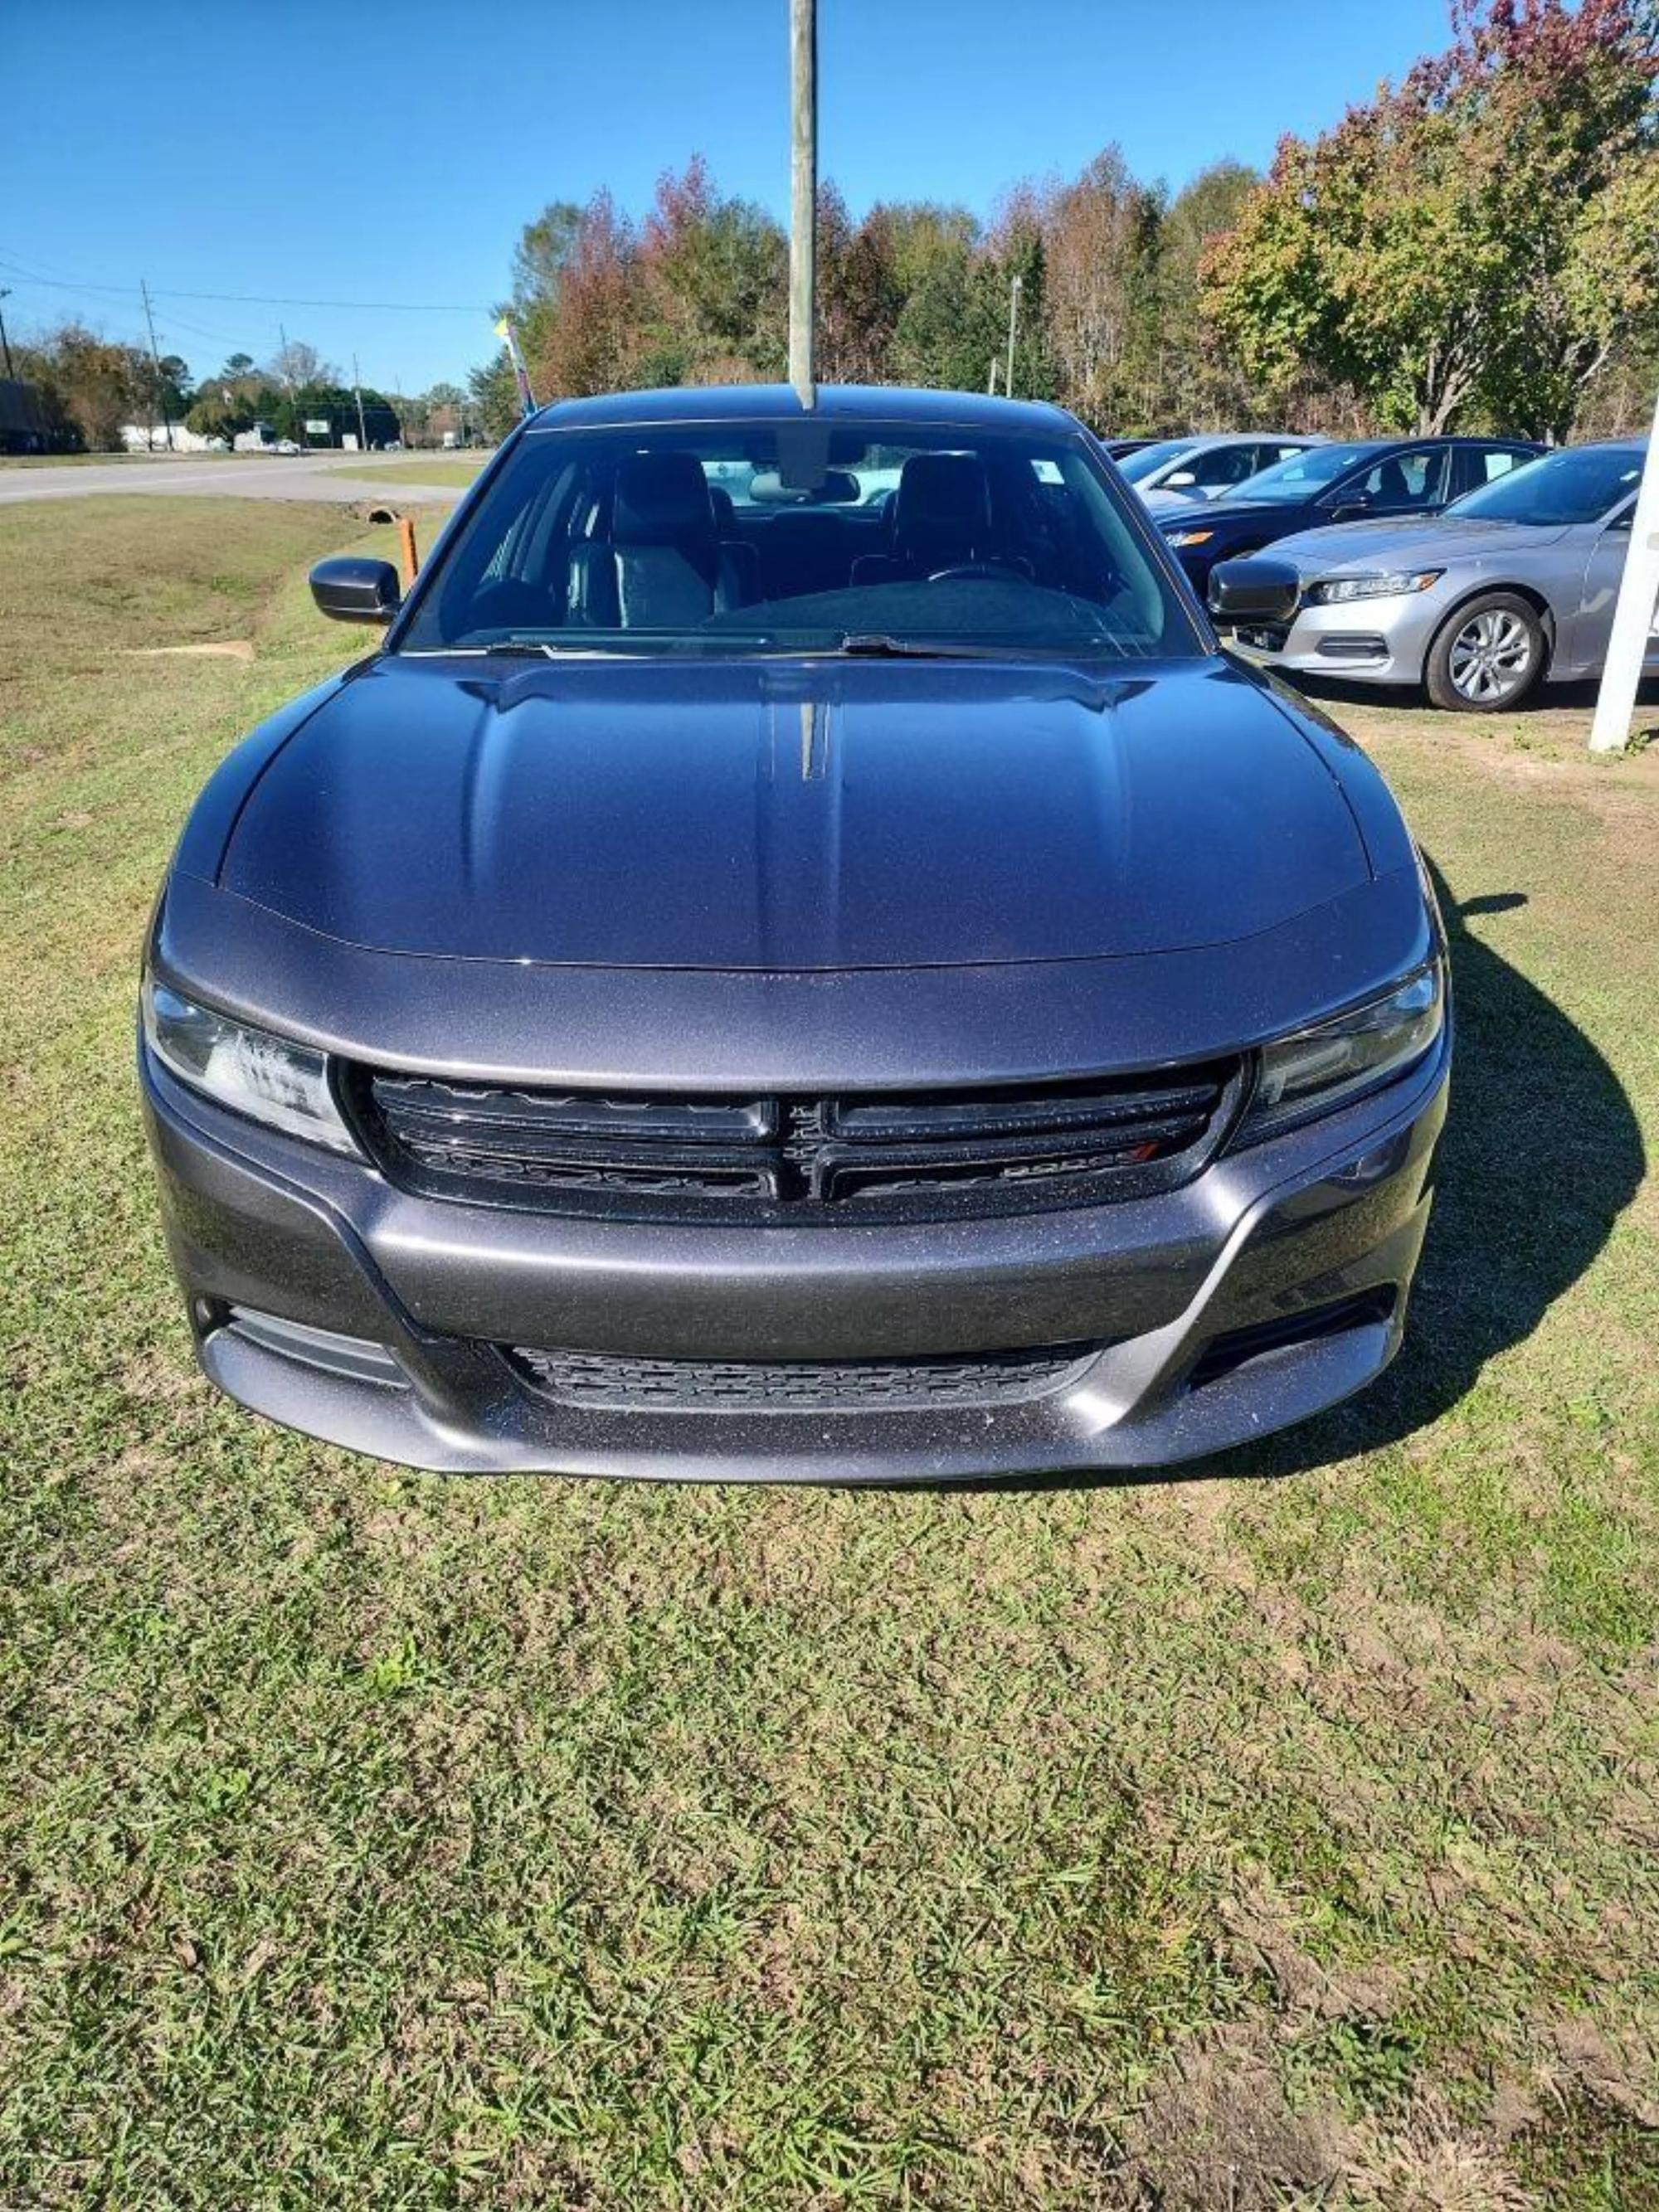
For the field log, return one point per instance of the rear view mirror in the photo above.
(834, 488)
(351, 588)
(1251, 591)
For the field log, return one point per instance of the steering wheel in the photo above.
(972, 569)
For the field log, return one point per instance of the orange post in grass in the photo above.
(410, 550)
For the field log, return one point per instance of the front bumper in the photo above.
(1384, 641)
(1269, 1288)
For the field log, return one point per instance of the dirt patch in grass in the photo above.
(1217, 2130)
(1433, 2162)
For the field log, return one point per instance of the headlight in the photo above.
(1328, 1066)
(268, 1078)
(1337, 591)
(1179, 537)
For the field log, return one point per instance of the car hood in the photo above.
(1435, 543)
(792, 815)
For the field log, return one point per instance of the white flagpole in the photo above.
(1634, 616)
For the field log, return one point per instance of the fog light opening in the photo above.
(1225, 1355)
(355, 1358)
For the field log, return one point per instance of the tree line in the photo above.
(1477, 247)
(89, 387)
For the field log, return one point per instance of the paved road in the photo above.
(251, 476)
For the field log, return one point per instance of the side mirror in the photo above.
(1250, 591)
(1180, 480)
(1350, 510)
(353, 589)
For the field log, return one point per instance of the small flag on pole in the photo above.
(508, 338)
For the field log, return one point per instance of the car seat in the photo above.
(662, 566)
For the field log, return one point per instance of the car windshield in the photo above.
(1577, 485)
(805, 534)
(1304, 473)
(1141, 463)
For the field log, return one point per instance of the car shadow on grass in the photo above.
(1541, 1154)
(1332, 692)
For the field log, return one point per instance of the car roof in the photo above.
(834, 402)
(1248, 437)
(1362, 445)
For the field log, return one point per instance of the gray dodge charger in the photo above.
(795, 957)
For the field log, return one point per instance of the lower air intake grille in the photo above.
(617, 1384)
(852, 1156)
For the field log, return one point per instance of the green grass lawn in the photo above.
(1285, 1836)
(430, 468)
(54, 460)
(96, 460)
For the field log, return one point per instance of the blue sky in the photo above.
(378, 155)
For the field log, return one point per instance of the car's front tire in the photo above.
(1487, 656)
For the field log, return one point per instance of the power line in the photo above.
(175, 322)
(31, 279)
(347, 307)
(29, 276)
(33, 275)
(255, 299)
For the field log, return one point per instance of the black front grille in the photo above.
(612, 1384)
(768, 1156)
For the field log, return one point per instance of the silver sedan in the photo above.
(1175, 472)
(1512, 585)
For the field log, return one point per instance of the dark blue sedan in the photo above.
(1355, 481)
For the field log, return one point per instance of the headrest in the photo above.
(662, 499)
(941, 493)
(724, 506)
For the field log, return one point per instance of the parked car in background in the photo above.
(1330, 484)
(1514, 585)
(794, 988)
(1174, 471)
(1116, 448)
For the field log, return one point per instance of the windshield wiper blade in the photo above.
(881, 644)
(536, 648)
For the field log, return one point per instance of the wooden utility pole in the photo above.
(804, 194)
(288, 379)
(1013, 326)
(161, 388)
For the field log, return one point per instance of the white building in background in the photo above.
(139, 438)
